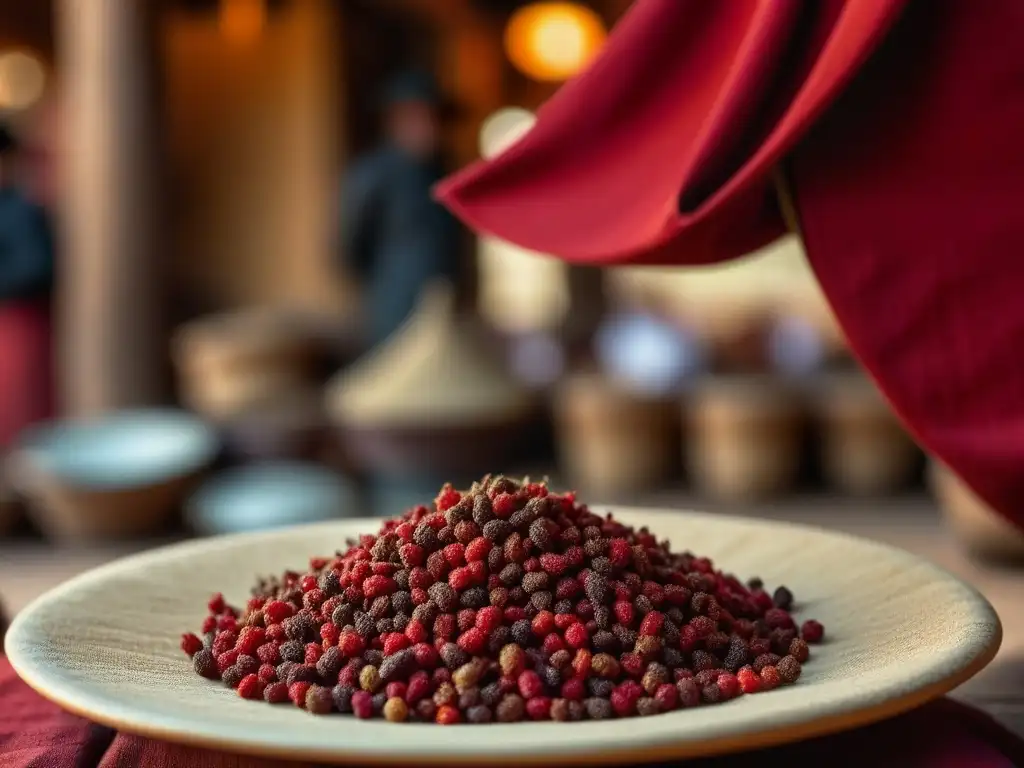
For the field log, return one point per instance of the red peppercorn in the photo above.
(426, 655)
(478, 549)
(728, 685)
(276, 693)
(250, 639)
(308, 583)
(504, 505)
(539, 708)
(362, 704)
(472, 641)
(574, 689)
(313, 653)
(447, 715)
(530, 685)
(420, 686)
(748, 680)
(447, 498)
(209, 624)
(267, 674)
(226, 659)
(552, 644)
(577, 636)
(191, 644)
(329, 633)
(651, 625)
(667, 697)
(277, 611)
(395, 642)
(812, 631)
(488, 618)
(250, 687)
(543, 623)
(460, 579)
(625, 696)
(216, 604)
(297, 693)
(770, 678)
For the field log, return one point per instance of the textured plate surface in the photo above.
(899, 632)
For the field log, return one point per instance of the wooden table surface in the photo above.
(28, 568)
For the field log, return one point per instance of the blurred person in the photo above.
(394, 237)
(26, 279)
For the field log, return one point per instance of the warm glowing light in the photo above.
(242, 21)
(22, 80)
(553, 41)
(504, 128)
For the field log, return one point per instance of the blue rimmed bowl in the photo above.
(116, 476)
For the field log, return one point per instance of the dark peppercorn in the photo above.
(598, 708)
(444, 596)
(425, 613)
(329, 583)
(400, 622)
(232, 676)
(737, 655)
(798, 650)
(341, 695)
(491, 694)
(397, 664)
(453, 656)
(365, 625)
(319, 700)
(479, 714)
(205, 664)
(522, 633)
(293, 651)
(330, 664)
(426, 537)
(499, 638)
(765, 660)
(342, 615)
(299, 628)
(385, 626)
(595, 547)
(497, 530)
(373, 656)
(789, 669)
(782, 598)
(475, 597)
(510, 709)
(511, 575)
(648, 705)
(596, 588)
(600, 687)
(401, 602)
(643, 605)
(302, 673)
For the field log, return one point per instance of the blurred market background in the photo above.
(223, 308)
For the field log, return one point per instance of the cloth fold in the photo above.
(37, 734)
(898, 125)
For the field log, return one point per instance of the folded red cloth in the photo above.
(945, 734)
(899, 124)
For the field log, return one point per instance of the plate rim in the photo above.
(714, 746)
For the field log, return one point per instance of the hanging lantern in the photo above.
(552, 41)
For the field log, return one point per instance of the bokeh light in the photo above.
(22, 80)
(504, 128)
(242, 21)
(552, 41)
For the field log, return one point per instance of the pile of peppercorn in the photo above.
(503, 603)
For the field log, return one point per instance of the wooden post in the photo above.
(109, 342)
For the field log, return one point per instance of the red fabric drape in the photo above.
(901, 126)
(26, 370)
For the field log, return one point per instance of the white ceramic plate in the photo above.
(900, 631)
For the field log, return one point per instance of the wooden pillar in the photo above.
(109, 341)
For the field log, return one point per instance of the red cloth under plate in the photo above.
(37, 734)
(899, 124)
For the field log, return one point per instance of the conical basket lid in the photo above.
(435, 371)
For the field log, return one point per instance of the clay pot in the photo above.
(289, 427)
(432, 398)
(228, 363)
(745, 437)
(115, 477)
(977, 528)
(864, 449)
(612, 441)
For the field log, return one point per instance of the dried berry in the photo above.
(503, 603)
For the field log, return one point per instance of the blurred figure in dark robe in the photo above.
(26, 280)
(394, 238)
